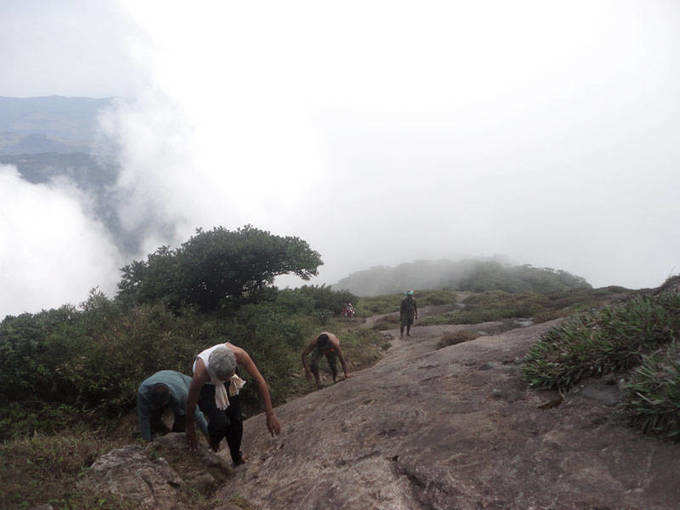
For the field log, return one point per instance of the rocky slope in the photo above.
(451, 428)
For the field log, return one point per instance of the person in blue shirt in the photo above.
(166, 389)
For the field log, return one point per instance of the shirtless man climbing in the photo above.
(328, 345)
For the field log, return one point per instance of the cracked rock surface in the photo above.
(142, 474)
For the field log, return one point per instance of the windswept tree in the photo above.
(216, 266)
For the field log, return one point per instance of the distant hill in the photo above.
(30, 125)
(47, 138)
(470, 274)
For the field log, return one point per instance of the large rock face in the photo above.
(424, 429)
(453, 428)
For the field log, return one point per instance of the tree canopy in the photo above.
(216, 266)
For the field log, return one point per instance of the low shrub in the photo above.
(437, 297)
(90, 361)
(607, 340)
(367, 306)
(652, 398)
(500, 305)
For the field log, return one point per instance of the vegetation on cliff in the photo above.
(638, 334)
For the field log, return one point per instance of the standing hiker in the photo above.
(163, 390)
(408, 313)
(215, 388)
(328, 345)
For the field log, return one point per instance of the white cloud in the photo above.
(388, 131)
(51, 252)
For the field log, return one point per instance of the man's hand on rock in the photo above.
(273, 424)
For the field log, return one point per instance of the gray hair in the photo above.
(222, 362)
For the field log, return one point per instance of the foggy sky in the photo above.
(380, 132)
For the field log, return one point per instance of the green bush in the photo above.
(652, 398)
(216, 268)
(314, 298)
(366, 307)
(436, 298)
(88, 363)
(593, 344)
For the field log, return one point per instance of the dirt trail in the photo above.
(450, 428)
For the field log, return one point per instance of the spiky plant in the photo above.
(652, 398)
(603, 341)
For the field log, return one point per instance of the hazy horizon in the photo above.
(379, 133)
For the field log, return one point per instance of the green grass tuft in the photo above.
(608, 340)
(652, 398)
(500, 305)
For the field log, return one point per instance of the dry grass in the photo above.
(456, 337)
(44, 469)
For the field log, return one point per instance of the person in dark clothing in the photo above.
(408, 313)
(163, 390)
(223, 424)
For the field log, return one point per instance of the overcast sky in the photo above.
(381, 132)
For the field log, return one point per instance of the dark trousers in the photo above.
(223, 424)
(330, 357)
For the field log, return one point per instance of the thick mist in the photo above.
(384, 133)
(51, 251)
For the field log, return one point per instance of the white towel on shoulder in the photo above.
(221, 397)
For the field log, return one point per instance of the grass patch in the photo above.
(456, 337)
(652, 398)
(387, 322)
(437, 297)
(44, 469)
(607, 340)
(367, 306)
(500, 305)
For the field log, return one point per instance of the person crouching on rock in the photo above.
(215, 387)
(163, 390)
(328, 345)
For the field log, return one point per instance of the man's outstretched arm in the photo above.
(305, 353)
(246, 362)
